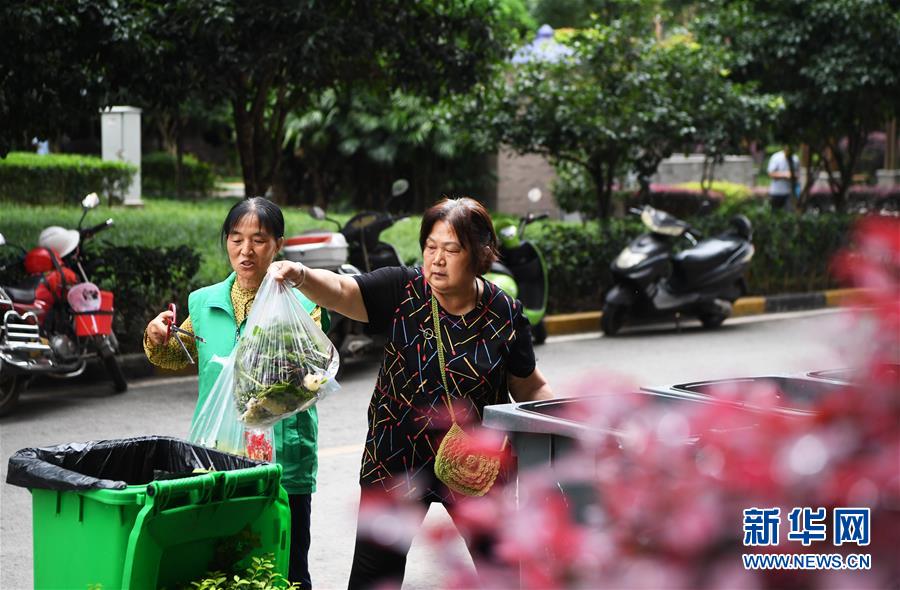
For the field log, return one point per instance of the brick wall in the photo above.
(516, 175)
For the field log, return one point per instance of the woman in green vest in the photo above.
(252, 233)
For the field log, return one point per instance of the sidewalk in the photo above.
(229, 189)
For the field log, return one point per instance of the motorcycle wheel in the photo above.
(612, 319)
(114, 370)
(539, 332)
(10, 388)
(712, 320)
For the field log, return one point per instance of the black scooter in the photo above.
(363, 233)
(522, 273)
(701, 281)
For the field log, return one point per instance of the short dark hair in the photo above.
(267, 213)
(471, 223)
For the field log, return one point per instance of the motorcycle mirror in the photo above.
(90, 201)
(2, 240)
(535, 194)
(317, 213)
(400, 186)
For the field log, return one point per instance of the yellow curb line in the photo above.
(573, 323)
(838, 297)
(589, 321)
(749, 306)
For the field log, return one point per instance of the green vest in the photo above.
(212, 316)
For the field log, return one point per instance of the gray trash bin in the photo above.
(542, 434)
(796, 395)
(849, 376)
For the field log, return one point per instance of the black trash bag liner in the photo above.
(114, 464)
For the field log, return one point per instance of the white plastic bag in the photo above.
(217, 425)
(284, 362)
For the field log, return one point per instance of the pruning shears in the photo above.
(174, 329)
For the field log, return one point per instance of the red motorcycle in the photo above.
(56, 319)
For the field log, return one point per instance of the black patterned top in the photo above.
(408, 414)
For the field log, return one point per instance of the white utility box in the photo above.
(120, 134)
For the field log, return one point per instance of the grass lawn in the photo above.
(168, 223)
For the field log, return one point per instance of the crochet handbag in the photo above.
(460, 464)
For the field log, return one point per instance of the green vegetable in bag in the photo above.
(285, 363)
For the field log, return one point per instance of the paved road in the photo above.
(654, 355)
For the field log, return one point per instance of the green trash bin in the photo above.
(132, 513)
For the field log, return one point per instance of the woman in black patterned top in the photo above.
(488, 357)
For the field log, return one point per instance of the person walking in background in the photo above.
(444, 307)
(784, 170)
(252, 234)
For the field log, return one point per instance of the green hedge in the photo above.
(61, 178)
(158, 176)
(146, 268)
(144, 281)
(793, 253)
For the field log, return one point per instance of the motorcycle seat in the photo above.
(500, 268)
(24, 292)
(704, 256)
(20, 295)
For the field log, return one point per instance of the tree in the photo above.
(835, 63)
(623, 102)
(581, 13)
(578, 109)
(704, 106)
(54, 63)
(379, 137)
(158, 76)
(268, 57)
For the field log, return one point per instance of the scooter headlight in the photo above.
(628, 258)
(509, 237)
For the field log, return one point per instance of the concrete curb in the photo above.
(135, 366)
(589, 321)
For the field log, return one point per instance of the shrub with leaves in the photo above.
(678, 200)
(61, 178)
(728, 190)
(578, 258)
(158, 176)
(143, 280)
(261, 575)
